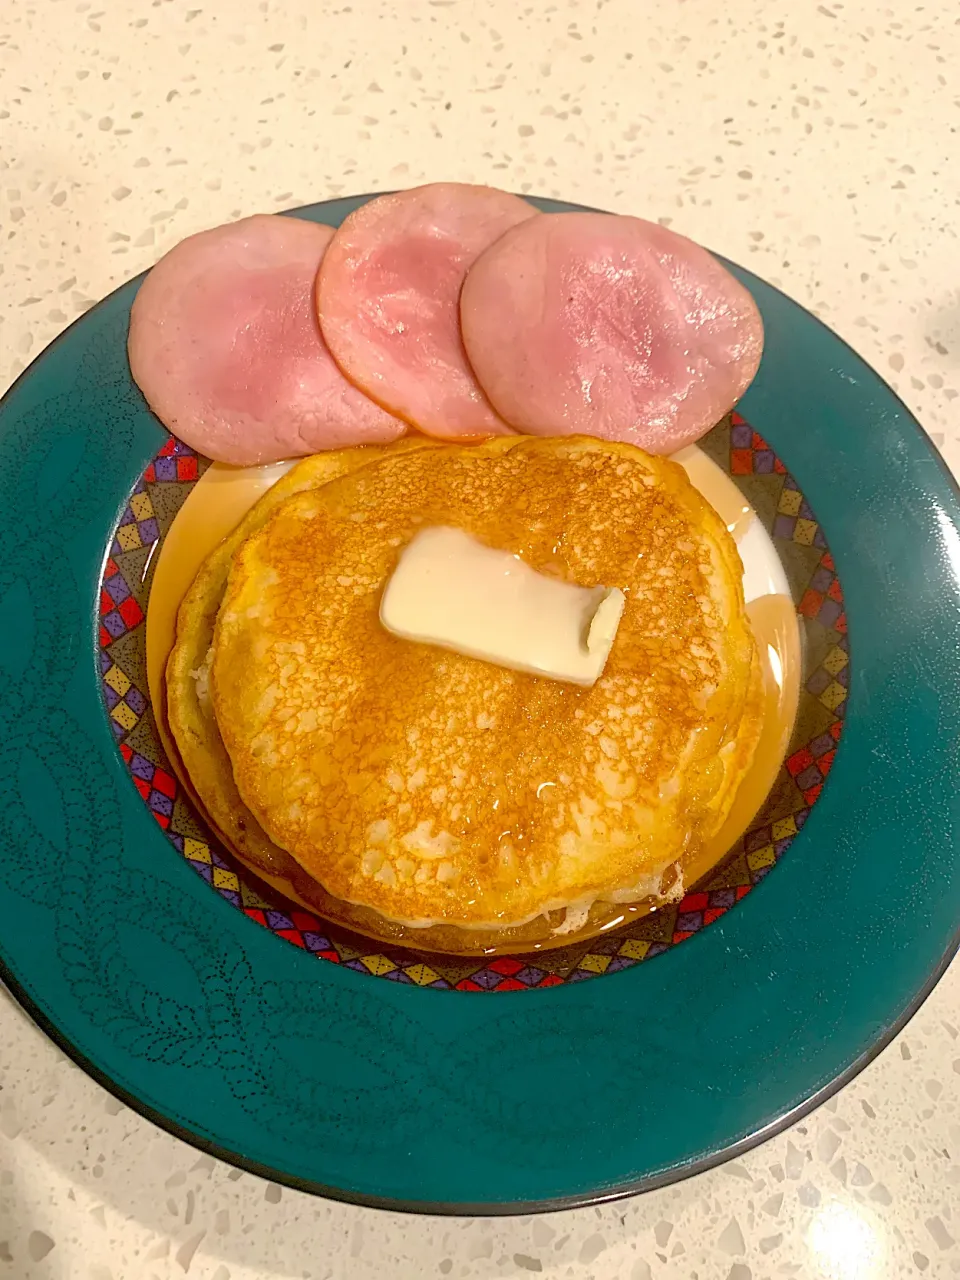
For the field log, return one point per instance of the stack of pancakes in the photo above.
(415, 794)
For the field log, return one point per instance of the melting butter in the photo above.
(452, 591)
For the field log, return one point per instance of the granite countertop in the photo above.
(816, 144)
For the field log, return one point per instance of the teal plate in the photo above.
(398, 1095)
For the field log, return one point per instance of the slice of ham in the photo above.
(594, 324)
(225, 345)
(388, 294)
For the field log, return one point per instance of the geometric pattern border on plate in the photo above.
(816, 590)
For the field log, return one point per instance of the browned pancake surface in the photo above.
(429, 787)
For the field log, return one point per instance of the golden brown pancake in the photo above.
(204, 764)
(416, 787)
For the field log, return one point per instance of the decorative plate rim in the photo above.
(816, 597)
(877, 1031)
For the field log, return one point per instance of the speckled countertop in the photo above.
(817, 144)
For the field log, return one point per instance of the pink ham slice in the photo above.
(225, 346)
(588, 323)
(388, 294)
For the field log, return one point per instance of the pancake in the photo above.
(416, 788)
(203, 763)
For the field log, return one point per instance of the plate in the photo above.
(391, 1093)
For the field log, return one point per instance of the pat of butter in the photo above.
(452, 591)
